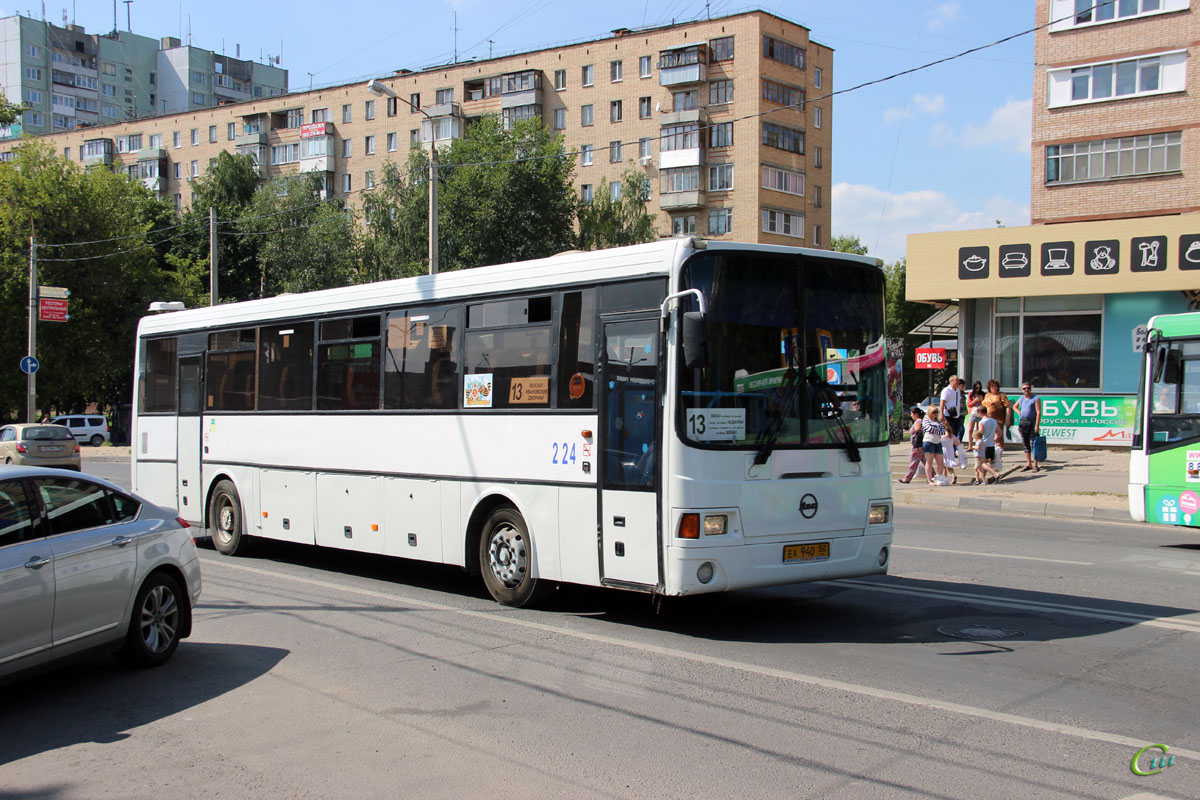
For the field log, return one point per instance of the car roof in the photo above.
(14, 471)
(20, 426)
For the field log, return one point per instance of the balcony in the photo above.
(152, 154)
(675, 201)
(251, 139)
(444, 110)
(153, 184)
(525, 97)
(697, 115)
(691, 157)
(683, 64)
(101, 152)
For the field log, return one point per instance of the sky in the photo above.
(945, 148)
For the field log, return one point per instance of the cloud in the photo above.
(858, 209)
(931, 105)
(944, 14)
(1009, 128)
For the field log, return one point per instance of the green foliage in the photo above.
(848, 244)
(395, 213)
(9, 112)
(608, 223)
(902, 316)
(90, 357)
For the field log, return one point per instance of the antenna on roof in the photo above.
(456, 29)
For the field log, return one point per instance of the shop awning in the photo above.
(943, 323)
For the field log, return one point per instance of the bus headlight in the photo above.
(879, 514)
(704, 573)
(715, 525)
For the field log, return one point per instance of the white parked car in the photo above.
(90, 428)
(84, 565)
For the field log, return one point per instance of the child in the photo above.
(985, 450)
(916, 458)
(950, 444)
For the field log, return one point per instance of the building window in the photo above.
(178, 166)
(231, 131)
(684, 225)
(176, 140)
(588, 73)
(816, 196)
(1100, 82)
(33, 51)
(109, 90)
(720, 177)
(178, 202)
(783, 52)
(369, 146)
(721, 135)
(560, 119)
(156, 141)
(414, 103)
(816, 240)
(194, 169)
(199, 78)
(1105, 159)
(560, 79)
(643, 108)
(782, 94)
(392, 105)
(680, 179)
(614, 111)
(1030, 337)
(444, 96)
(347, 148)
(645, 147)
(644, 65)
(816, 116)
(414, 136)
(817, 157)
(285, 153)
(585, 115)
(109, 111)
(683, 101)
(680, 137)
(616, 71)
(585, 155)
(346, 112)
(391, 142)
(33, 73)
(320, 115)
(199, 99)
(721, 49)
(614, 152)
(212, 134)
(510, 115)
(33, 97)
(369, 109)
(614, 191)
(783, 138)
(816, 77)
(1071, 13)
(346, 183)
(585, 193)
(720, 220)
(783, 222)
(195, 136)
(720, 92)
(369, 179)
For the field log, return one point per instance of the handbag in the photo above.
(1039, 448)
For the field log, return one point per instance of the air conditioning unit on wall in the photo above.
(645, 161)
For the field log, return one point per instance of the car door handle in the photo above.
(36, 562)
(121, 541)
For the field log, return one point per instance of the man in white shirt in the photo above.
(951, 406)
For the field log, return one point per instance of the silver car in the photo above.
(84, 565)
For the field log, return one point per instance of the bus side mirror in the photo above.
(695, 340)
(1166, 365)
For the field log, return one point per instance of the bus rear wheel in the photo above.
(225, 519)
(506, 559)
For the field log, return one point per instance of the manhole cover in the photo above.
(979, 632)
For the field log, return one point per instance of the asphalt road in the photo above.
(320, 674)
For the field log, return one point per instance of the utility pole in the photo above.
(128, 15)
(212, 255)
(433, 202)
(31, 379)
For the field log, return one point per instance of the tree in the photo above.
(9, 112)
(903, 316)
(848, 244)
(395, 214)
(101, 236)
(605, 222)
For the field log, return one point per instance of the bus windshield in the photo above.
(796, 353)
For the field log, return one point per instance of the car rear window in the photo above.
(96, 421)
(44, 433)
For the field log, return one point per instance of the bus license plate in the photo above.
(815, 551)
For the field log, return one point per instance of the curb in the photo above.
(1013, 506)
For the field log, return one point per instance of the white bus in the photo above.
(675, 418)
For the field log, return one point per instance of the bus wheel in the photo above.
(225, 519)
(505, 558)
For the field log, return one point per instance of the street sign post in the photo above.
(52, 309)
(29, 365)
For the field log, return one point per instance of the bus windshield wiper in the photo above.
(770, 434)
(832, 409)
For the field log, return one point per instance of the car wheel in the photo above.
(97, 440)
(158, 616)
(506, 559)
(225, 520)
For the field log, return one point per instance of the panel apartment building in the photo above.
(71, 79)
(728, 118)
(1114, 204)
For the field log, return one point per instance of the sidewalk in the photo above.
(105, 452)
(1087, 484)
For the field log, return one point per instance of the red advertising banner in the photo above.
(52, 309)
(311, 129)
(931, 358)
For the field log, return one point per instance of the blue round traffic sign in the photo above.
(29, 365)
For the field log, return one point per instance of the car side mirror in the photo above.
(695, 340)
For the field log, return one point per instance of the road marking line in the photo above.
(992, 555)
(699, 658)
(1027, 605)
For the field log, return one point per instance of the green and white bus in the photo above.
(1164, 467)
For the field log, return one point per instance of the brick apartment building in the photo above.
(1115, 232)
(727, 117)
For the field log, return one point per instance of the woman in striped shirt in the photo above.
(934, 430)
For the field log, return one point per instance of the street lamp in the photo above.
(376, 87)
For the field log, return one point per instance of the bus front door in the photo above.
(188, 436)
(628, 478)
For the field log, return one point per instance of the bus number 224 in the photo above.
(567, 453)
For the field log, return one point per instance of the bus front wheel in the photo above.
(225, 519)
(506, 559)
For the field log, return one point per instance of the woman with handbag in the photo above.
(1029, 410)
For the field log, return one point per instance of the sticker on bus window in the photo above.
(477, 390)
(1193, 466)
(716, 424)
(576, 386)
(529, 391)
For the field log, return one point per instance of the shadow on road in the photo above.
(97, 700)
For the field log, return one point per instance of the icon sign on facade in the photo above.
(1189, 251)
(1058, 258)
(1148, 253)
(1102, 258)
(973, 262)
(1168, 511)
(1015, 260)
(29, 365)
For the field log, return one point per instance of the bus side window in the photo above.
(420, 365)
(577, 350)
(348, 364)
(159, 368)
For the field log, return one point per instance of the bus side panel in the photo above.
(349, 512)
(155, 470)
(577, 536)
(287, 501)
(412, 519)
(539, 507)
(1173, 494)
